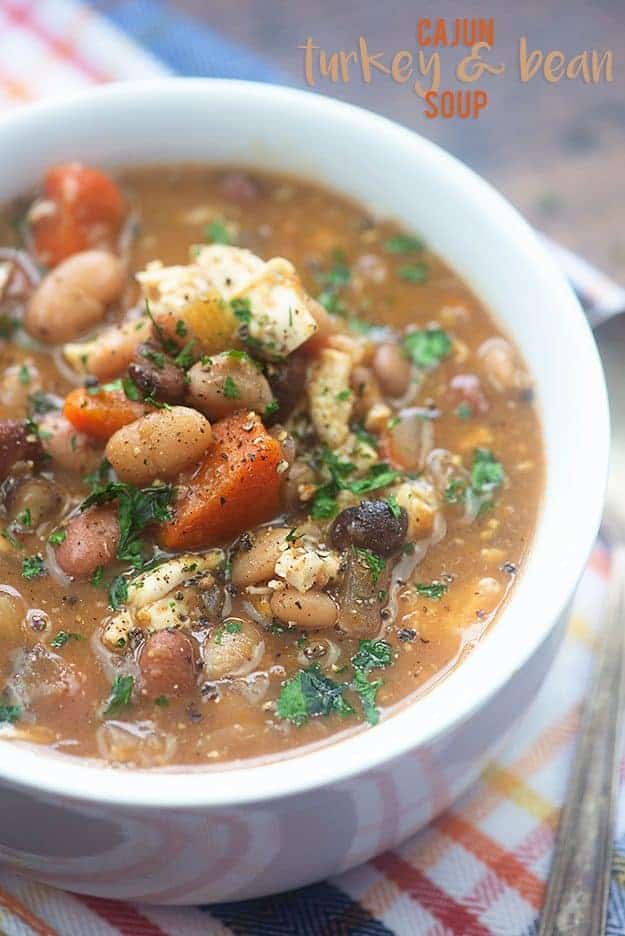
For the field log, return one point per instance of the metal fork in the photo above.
(578, 888)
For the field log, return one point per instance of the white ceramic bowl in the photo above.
(243, 832)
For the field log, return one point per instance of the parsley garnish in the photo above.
(455, 490)
(9, 713)
(24, 375)
(308, 694)
(228, 627)
(413, 272)
(374, 563)
(156, 357)
(403, 244)
(434, 590)
(98, 576)
(181, 329)
(217, 233)
(64, 637)
(371, 654)
(161, 701)
(231, 391)
(486, 471)
(464, 412)
(118, 592)
(57, 537)
(24, 518)
(40, 403)
(136, 509)
(121, 693)
(324, 502)
(393, 506)
(33, 567)
(271, 408)
(184, 359)
(427, 346)
(242, 309)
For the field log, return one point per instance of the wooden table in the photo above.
(556, 150)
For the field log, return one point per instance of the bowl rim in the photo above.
(54, 774)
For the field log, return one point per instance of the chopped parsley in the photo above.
(413, 273)
(162, 701)
(374, 563)
(181, 329)
(324, 504)
(9, 714)
(136, 509)
(308, 694)
(333, 280)
(24, 518)
(242, 309)
(228, 627)
(118, 592)
(231, 391)
(7, 534)
(41, 403)
(344, 394)
(434, 590)
(403, 244)
(486, 471)
(57, 537)
(64, 637)
(427, 346)
(217, 233)
(271, 409)
(121, 694)
(464, 412)
(184, 359)
(455, 491)
(155, 357)
(393, 506)
(372, 653)
(98, 575)
(24, 375)
(33, 567)
(367, 691)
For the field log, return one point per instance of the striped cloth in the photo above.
(478, 870)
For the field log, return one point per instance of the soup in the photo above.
(268, 468)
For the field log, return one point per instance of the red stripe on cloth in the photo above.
(458, 919)
(122, 916)
(25, 16)
(506, 866)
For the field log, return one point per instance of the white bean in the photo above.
(257, 564)
(233, 648)
(69, 448)
(73, 297)
(108, 354)
(311, 610)
(159, 445)
(392, 368)
(225, 383)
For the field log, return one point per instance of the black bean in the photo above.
(373, 525)
(157, 376)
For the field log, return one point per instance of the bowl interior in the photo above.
(400, 175)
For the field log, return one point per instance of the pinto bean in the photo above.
(255, 565)
(17, 443)
(311, 610)
(167, 664)
(159, 445)
(73, 297)
(69, 448)
(392, 368)
(35, 498)
(233, 648)
(157, 376)
(226, 383)
(91, 541)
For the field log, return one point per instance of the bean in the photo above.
(73, 297)
(17, 443)
(366, 391)
(257, 564)
(35, 499)
(311, 610)
(227, 383)
(159, 445)
(167, 664)
(17, 383)
(91, 541)
(233, 648)
(371, 525)
(157, 376)
(69, 448)
(392, 368)
(111, 352)
(501, 365)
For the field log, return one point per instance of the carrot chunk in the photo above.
(235, 487)
(82, 208)
(102, 413)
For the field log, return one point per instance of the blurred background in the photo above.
(556, 150)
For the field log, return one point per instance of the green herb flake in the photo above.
(24, 518)
(9, 714)
(24, 375)
(8, 535)
(181, 329)
(344, 394)
(393, 506)
(455, 491)
(33, 567)
(118, 592)
(64, 637)
(121, 694)
(309, 694)
(434, 590)
(184, 359)
(162, 701)
(217, 233)
(372, 654)
(130, 389)
(57, 537)
(416, 273)
(97, 576)
(374, 563)
(155, 357)
(427, 346)
(271, 409)
(464, 412)
(242, 309)
(231, 391)
(403, 244)
(486, 471)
